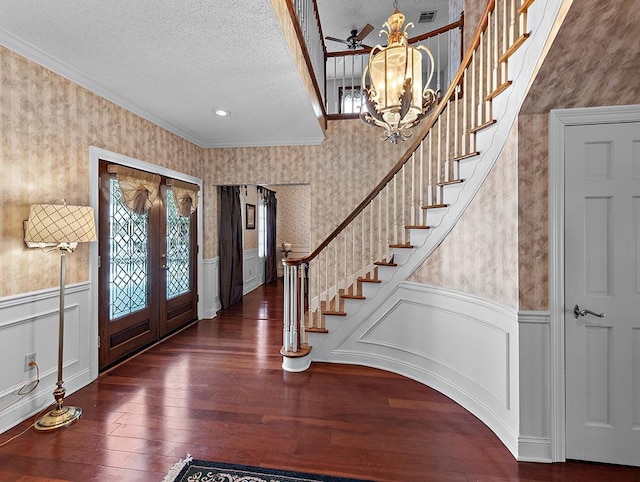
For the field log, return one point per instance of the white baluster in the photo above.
(335, 265)
(413, 192)
(403, 207)
(303, 332)
(285, 332)
(447, 143)
(371, 252)
(395, 210)
(294, 308)
(439, 156)
(421, 185)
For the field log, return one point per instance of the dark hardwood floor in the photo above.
(216, 390)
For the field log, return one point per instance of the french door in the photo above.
(147, 261)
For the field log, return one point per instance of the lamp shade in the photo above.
(59, 223)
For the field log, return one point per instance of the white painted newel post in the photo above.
(294, 346)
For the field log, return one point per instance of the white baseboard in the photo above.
(534, 449)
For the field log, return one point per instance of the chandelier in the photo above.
(394, 98)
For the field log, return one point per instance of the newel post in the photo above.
(294, 337)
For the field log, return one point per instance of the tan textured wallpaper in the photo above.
(480, 254)
(606, 73)
(533, 211)
(340, 172)
(48, 124)
(293, 215)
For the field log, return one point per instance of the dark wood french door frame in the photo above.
(125, 335)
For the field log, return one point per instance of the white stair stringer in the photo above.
(344, 343)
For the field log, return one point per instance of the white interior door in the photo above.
(602, 274)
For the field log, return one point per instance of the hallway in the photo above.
(216, 390)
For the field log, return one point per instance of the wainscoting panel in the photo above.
(461, 345)
(534, 442)
(253, 267)
(29, 324)
(211, 289)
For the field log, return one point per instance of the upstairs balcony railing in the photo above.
(344, 95)
(309, 21)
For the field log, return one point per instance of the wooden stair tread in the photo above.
(369, 280)
(450, 183)
(499, 90)
(483, 126)
(384, 263)
(435, 206)
(466, 156)
(334, 313)
(353, 297)
(525, 6)
(409, 226)
(314, 329)
(303, 350)
(401, 246)
(511, 50)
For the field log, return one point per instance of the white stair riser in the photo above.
(418, 236)
(452, 192)
(401, 255)
(434, 216)
(385, 272)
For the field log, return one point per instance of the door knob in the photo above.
(578, 312)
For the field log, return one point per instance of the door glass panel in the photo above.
(178, 249)
(128, 250)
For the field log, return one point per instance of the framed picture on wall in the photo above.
(251, 216)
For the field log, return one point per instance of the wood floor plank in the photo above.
(217, 390)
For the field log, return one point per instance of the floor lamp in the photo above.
(59, 227)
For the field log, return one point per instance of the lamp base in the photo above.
(57, 418)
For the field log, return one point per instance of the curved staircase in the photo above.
(337, 298)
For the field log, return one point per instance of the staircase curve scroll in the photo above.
(418, 202)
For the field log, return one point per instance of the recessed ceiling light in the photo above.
(222, 112)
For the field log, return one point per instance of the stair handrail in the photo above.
(428, 124)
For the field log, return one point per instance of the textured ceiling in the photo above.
(174, 62)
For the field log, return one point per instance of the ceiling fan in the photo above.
(354, 41)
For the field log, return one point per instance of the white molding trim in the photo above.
(525, 316)
(55, 65)
(559, 120)
(45, 294)
(95, 154)
(534, 449)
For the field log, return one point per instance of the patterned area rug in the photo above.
(190, 470)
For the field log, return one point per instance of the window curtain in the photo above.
(139, 189)
(186, 196)
(270, 266)
(230, 245)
